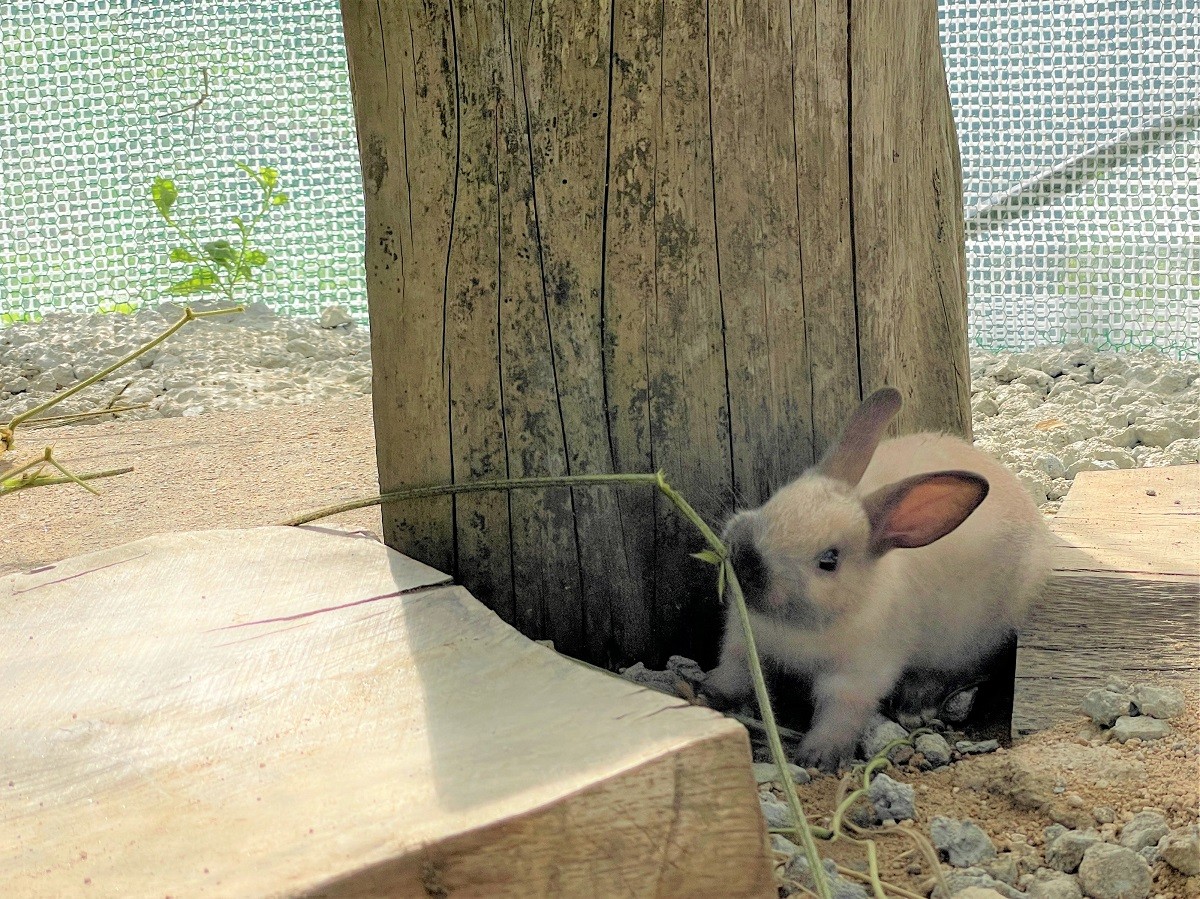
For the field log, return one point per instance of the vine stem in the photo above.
(48, 482)
(7, 433)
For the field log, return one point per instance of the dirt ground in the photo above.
(1058, 775)
(255, 468)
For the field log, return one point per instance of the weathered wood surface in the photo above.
(1125, 598)
(281, 712)
(630, 236)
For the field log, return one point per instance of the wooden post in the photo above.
(627, 237)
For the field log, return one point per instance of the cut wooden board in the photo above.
(282, 711)
(1125, 598)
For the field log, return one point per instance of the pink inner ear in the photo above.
(928, 507)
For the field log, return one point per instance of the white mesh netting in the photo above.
(1079, 124)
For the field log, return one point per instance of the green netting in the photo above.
(1079, 124)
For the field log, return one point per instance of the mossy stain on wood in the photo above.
(375, 163)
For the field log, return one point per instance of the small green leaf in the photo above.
(279, 199)
(268, 176)
(237, 220)
(708, 556)
(182, 254)
(221, 252)
(164, 194)
(202, 280)
(256, 257)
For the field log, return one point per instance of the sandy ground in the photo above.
(220, 470)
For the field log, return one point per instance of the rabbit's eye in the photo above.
(828, 560)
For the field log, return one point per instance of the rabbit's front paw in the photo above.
(829, 757)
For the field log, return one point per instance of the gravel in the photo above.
(1049, 413)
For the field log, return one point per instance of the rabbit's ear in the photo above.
(923, 508)
(847, 459)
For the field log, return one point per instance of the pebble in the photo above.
(1106, 706)
(934, 748)
(768, 772)
(663, 681)
(879, 733)
(892, 799)
(1158, 702)
(966, 879)
(1146, 829)
(967, 747)
(979, 893)
(336, 317)
(1103, 814)
(777, 813)
(963, 843)
(1181, 849)
(1049, 884)
(1140, 728)
(780, 843)
(1003, 868)
(799, 871)
(1114, 872)
(1068, 848)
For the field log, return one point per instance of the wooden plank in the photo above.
(281, 712)
(1125, 597)
(1138, 521)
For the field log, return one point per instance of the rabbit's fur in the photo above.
(940, 551)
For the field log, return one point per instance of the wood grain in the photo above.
(910, 257)
(671, 236)
(1125, 598)
(281, 712)
(408, 144)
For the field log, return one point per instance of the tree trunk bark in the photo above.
(627, 237)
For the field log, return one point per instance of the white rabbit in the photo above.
(917, 555)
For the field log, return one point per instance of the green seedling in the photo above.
(219, 266)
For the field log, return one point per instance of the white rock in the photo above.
(1158, 702)
(1145, 729)
(1144, 829)
(1114, 872)
(1105, 706)
(963, 843)
(336, 317)
(1181, 849)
